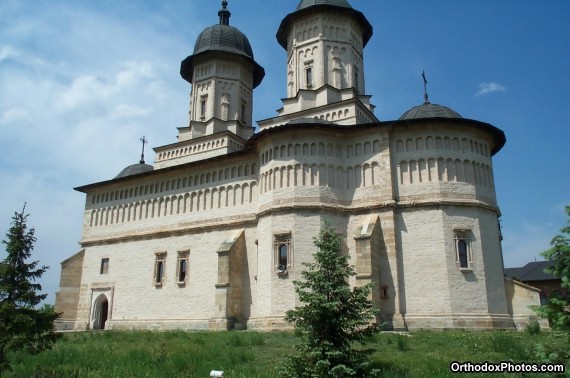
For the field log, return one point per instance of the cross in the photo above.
(426, 100)
(143, 141)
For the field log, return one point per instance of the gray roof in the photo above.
(533, 271)
(134, 169)
(308, 6)
(309, 3)
(429, 110)
(223, 38)
(226, 39)
(306, 120)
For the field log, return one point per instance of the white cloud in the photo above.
(11, 115)
(485, 88)
(73, 104)
(7, 52)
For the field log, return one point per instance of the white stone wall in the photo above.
(329, 43)
(194, 150)
(438, 293)
(445, 161)
(137, 301)
(289, 184)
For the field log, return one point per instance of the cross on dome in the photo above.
(224, 14)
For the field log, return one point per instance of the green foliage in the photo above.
(195, 354)
(22, 325)
(557, 310)
(334, 317)
(403, 343)
(533, 327)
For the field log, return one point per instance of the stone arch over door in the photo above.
(101, 308)
(100, 312)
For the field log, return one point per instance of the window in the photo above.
(282, 251)
(203, 101)
(182, 267)
(356, 79)
(463, 249)
(309, 76)
(104, 266)
(243, 110)
(159, 265)
(225, 106)
(283, 255)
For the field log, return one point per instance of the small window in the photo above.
(283, 255)
(159, 268)
(104, 266)
(182, 267)
(243, 110)
(309, 76)
(203, 101)
(463, 250)
(282, 250)
(356, 79)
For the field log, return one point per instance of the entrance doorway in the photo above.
(101, 312)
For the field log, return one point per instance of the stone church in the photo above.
(213, 234)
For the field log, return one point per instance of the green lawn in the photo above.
(249, 355)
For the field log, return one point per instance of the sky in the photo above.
(81, 81)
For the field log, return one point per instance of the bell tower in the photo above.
(223, 74)
(325, 40)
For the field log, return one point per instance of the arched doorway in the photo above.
(100, 312)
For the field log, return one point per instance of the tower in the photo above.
(325, 43)
(223, 74)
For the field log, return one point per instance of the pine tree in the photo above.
(22, 324)
(334, 319)
(557, 310)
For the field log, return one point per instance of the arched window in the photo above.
(182, 267)
(282, 253)
(159, 261)
(182, 271)
(463, 257)
(159, 271)
(462, 251)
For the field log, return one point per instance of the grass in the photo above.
(250, 355)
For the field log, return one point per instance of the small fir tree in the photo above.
(334, 319)
(557, 310)
(22, 324)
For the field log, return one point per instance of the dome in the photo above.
(336, 3)
(135, 169)
(429, 110)
(306, 6)
(222, 38)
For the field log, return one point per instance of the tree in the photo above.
(334, 319)
(22, 324)
(557, 310)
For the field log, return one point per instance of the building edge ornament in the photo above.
(252, 219)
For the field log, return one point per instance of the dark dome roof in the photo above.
(306, 6)
(135, 169)
(429, 110)
(222, 38)
(309, 3)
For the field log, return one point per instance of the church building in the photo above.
(213, 234)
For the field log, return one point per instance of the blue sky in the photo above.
(82, 81)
